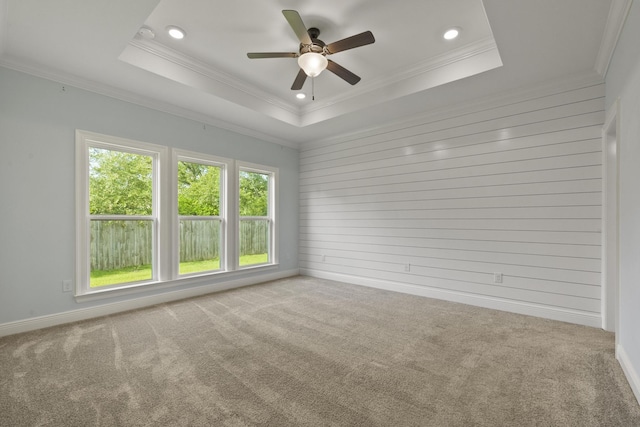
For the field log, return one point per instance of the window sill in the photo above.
(198, 279)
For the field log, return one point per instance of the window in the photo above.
(256, 207)
(118, 200)
(144, 217)
(201, 212)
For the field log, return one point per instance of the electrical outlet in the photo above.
(324, 258)
(497, 277)
(407, 267)
(66, 285)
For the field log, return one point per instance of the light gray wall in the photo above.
(437, 206)
(37, 124)
(623, 82)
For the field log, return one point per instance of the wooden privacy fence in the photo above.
(121, 244)
(199, 240)
(254, 236)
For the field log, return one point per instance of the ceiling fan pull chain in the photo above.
(313, 89)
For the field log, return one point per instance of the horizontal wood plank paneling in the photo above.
(535, 200)
(453, 180)
(547, 212)
(514, 189)
(562, 237)
(478, 284)
(454, 158)
(487, 246)
(413, 255)
(402, 132)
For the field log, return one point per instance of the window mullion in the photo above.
(232, 208)
(163, 203)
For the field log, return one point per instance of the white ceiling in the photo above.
(410, 69)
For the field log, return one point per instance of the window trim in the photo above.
(84, 141)
(225, 165)
(272, 214)
(165, 211)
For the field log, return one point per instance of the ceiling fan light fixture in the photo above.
(312, 52)
(301, 95)
(312, 63)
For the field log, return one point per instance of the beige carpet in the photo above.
(311, 352)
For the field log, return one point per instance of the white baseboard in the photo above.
(40, 322)
(629, 371)
(553, 313)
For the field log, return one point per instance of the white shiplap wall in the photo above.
(436, 207)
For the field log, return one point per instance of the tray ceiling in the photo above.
(410, 69)
(410, 54)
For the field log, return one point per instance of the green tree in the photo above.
(120, 183)
(254, 190)
(198, 189)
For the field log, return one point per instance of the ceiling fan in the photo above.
(312, 53)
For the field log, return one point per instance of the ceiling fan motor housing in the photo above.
(316, 46)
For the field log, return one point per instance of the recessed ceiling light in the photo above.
(451, 33)
(176, 32)
(301, 95)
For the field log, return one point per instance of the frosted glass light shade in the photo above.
(312, 63)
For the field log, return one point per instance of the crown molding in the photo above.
(162, 61)
(618, 13)
(564, 84)
(207, 70)
(467, 60)
(126, 96)
(429, 65)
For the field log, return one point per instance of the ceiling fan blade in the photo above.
(260, 55)
(299, 81)
(342, 72)
(351, 42)
(297, 25)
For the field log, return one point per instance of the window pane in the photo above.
(198, 189)
(120, 183)
(254, 241)
(199, 245)
(254, 190)
(121, 252)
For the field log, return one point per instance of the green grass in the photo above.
(253, 259)
(143, 272)
(122, 275)
(199, 266)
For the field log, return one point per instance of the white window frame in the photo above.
(272, 212)
(165, 215)
(225, 165)
(84, 141)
